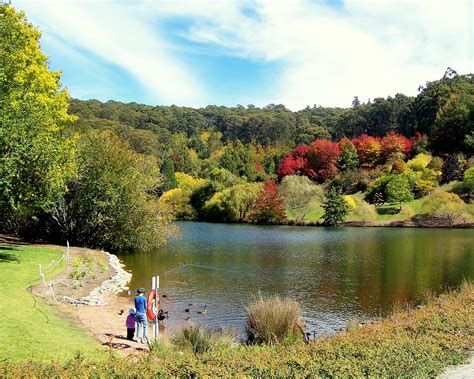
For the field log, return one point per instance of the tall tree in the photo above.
(335, 208)
(169, 177)
(36, 147)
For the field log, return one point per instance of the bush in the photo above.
(273, 319)
(364, 211)
(445, 205)
(200, 339)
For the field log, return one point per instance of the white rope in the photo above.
(41, 267)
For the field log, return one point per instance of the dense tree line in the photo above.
(443, 111)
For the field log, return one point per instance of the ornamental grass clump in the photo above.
(200, 339)
(273, 319)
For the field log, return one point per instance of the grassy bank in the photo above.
(412, 343)
(30, 328)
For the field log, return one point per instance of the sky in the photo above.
(298, 53)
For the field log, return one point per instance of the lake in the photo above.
(336, 274)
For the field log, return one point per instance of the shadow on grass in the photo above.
(5, 256)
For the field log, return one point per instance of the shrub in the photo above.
(364, 211)
(448, 206)
(273, 319)
(200, 339)
(419, 162)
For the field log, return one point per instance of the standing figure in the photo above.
(140, 317)
(130, 324)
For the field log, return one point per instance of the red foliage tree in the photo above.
(395, 146)
(368, 150)
(269, 206)
(322, 159)
(295, 163)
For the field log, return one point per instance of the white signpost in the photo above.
(155, 285)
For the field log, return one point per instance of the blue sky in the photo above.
(299, 53)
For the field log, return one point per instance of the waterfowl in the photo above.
(187, 310)
(204, 311)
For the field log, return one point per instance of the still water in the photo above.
(336, 274)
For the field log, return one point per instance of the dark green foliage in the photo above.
(169, 177)
(453, 167)
(335, 208)
(237, 160)
(199, 198)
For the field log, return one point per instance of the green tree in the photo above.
(232, 204)
(445, 205)
(299, 192)
(36, 148)
(169, 177)
(335, 208)
(348, 158)
(468, 181)
(398, 190)
(110, 204)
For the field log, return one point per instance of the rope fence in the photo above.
(64, 257)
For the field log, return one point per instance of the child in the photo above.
(130, 323)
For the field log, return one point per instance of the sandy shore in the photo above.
(98, 302)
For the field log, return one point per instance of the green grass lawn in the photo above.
(408, 210)
(29, 327)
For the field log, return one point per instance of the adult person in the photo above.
(140, 317)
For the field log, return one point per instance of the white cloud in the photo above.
(119, 33)
(364, 48)
(327, 54)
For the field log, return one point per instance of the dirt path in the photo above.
(460, 372)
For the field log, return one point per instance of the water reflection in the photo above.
(336, 274)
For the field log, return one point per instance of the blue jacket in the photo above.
(140, 304)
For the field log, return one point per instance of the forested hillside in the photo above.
(391, 150)
(443, 110)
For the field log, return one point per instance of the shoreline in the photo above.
(95, 306)
(350, 224)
